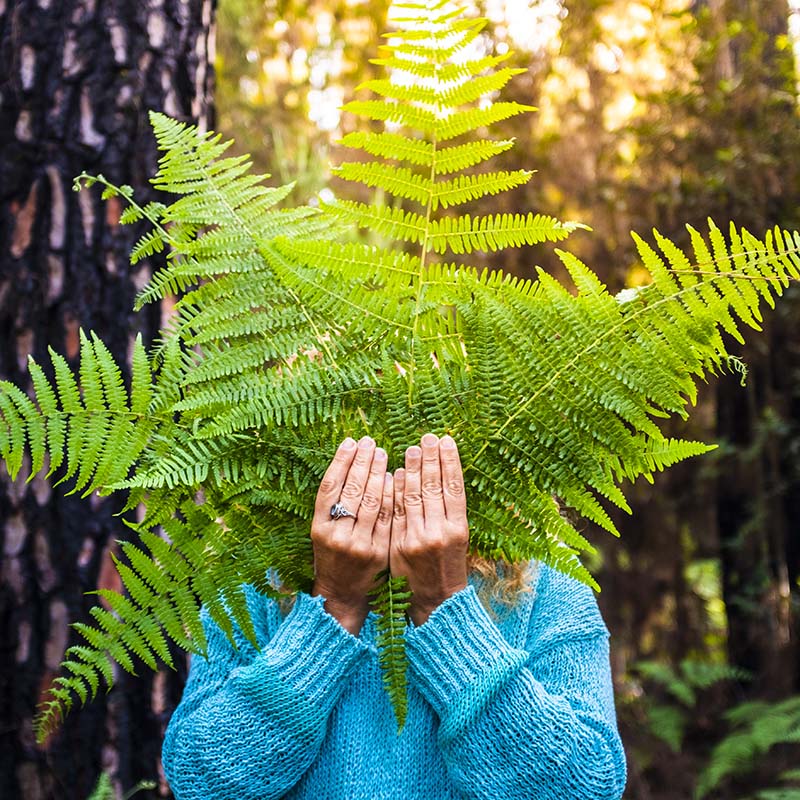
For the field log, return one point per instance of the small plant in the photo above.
(290, 336)
(104, 790)
(669, 719)
(757, 728)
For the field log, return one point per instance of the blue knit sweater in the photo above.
(515, 705)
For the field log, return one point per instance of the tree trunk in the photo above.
(759, 480)
(77, 78)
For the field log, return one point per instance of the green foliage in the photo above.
(96, 433)
(669, 720)
(757, 728)
(104, 789)
(288, 337)
(392, 599)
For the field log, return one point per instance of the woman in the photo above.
(515, 705)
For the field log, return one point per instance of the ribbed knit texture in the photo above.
(516, 705)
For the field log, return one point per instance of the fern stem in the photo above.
(424, 245)
(128, 195)
(738, 276)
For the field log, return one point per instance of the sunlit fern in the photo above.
(289, 336)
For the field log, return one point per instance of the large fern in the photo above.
(291, 333)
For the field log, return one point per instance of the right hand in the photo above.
(349, 553)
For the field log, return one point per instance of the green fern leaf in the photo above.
(394, 180)
(391, 602)
(465, 234)
(470, 187)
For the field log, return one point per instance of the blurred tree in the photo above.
(759, 483)
(284, 68)
(76, 80)
(726, 148)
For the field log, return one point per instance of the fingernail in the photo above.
(380, 454)
(413, 451)
(447, 442)
(348, 444)
(430, 439)
(387, 478)
(365, 441)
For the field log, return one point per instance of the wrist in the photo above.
(350, 613)
(422, 607)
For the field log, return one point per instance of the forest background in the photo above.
(651, 113)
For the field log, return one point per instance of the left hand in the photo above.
(430, 534)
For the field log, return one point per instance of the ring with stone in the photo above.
(338, 511)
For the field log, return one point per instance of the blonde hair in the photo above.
(503, 582)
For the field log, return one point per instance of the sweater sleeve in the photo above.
(523, 724)
(250, 723)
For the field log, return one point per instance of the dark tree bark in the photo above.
(758, 504)
(77, 78)
(759, 480)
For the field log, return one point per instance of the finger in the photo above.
(432, 500)
(330, 487)
(399, 512)
(356, 481)
(455, 499)
(412, 493)
(382, 532)
(372, 497)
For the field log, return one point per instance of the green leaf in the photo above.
(391, 601)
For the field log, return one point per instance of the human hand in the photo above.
(430, 533)
(349, 553)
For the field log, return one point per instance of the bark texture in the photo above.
(77, 78)
(757, 493)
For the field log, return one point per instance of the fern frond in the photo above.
(445, 73)
(394, 223)
(421, 152)
(315, 394)
(456, 124)
(463, 156)
(391, 601)
(467, 92)
(758, 727)
(436, 46)
(465, 234)
(390, 146)
(149, 244)
(470, 187)
(288, 336)
(95, 431)
(381, 270)
(397, 181)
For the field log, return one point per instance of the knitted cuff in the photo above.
(304, 668)
(459, 660)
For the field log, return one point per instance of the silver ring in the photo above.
(338, 511)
